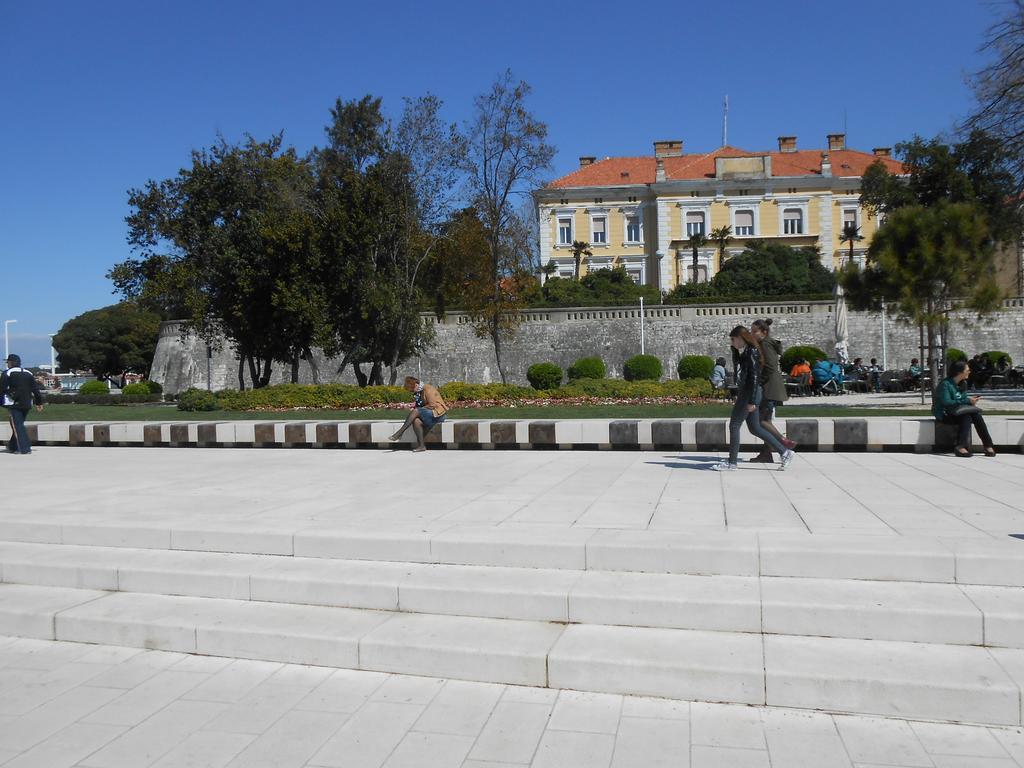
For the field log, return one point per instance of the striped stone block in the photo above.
(711, 435)
(151, 435)
(624, 434)
(295, 434)
(805, 432)
(503, 433)
(327, 433)
(76, 434)
(265, 434)
(667, 434)
(206, 435)
(850, 434)
(359, 433)
(467, 432)
(100, 434)
(542, 433)
(179, 434)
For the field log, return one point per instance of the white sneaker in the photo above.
(724, 466)
(787, 457)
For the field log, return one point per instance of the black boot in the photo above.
(764, 457)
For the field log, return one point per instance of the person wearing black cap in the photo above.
(19, 390)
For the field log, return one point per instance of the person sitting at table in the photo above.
(718, 374)
(801, 368)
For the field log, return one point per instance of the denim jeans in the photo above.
(19, 442)
(753, 420)
(963, 438)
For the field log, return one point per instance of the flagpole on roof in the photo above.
(725, 121)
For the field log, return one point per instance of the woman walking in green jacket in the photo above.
(951, 405)
(774, 387)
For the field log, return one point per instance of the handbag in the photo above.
(966, 410)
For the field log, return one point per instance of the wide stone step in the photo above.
(910, 680)
(983, 561)
(900, 433)
(908, 611)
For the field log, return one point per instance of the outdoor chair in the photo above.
(798, 386)
(892, 381)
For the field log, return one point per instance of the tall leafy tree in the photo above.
(580, 251)
(506, 153)
(721, 237)
(925, 261)
(110, 341)
(999, 88)
(231, 236)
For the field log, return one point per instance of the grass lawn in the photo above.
(148, 412)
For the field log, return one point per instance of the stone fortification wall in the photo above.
(564, 335)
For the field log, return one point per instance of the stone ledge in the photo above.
(881, 433)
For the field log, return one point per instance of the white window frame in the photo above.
(849, 203)
(595, 214)
(705, 258)
(561, 215)
(635, 265)
(703, 223)
(802, 204)
(737, 227)
(694, 206)
(752, 204)
(565, 269)
(627, 214)
(595, 263)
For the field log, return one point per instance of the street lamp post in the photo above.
(53, 356)
(7, 345)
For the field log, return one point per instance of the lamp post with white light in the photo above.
(53, 356)
(7, 345)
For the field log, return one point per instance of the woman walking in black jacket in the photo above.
(773, 384)
(746, 358)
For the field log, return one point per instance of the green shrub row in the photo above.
(343, 396)
(142, 388)
(791, 355)
(106, 399)
(695, 367)
(94, 388)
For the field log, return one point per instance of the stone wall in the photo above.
(564, 335)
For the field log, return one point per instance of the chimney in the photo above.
(836, 141)
(585, 161)
(669, 148)
(787, 143)
(660, 173)
(882, 151)
(826, 164)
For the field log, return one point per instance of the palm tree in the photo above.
(721, 236)
(697, 240)
(580, 248)
(851, 234)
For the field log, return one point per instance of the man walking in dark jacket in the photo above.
(19, 390)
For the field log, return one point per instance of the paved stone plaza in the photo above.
(489, 609)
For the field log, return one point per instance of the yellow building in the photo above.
(639, 212)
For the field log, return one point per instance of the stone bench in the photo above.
(884, 433)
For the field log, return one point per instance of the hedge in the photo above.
(343, 396)
(953, 355)
(94, 388)
(544, 376)
(107, 399)
(587, 368)
(642, 367)
(695, 367)
(995, 356)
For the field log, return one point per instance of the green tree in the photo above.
(506, 151)
(110, 341)
(851, 234)
(598, 288)
(721, 236)
(977, 170)
(580, 249)
(697, 241)
(922, 262)
(232, 236)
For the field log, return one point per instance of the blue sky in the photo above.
(96, 98)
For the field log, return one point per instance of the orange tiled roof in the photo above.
(620, 171)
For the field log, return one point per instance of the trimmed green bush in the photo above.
(332, 396)
(642, 368)
(791, 355)
(459, 390)
(138, 388)
(94, 388)
(107, 399)
(953, 355)
(197, 400)
(154, 387)
(695, 367)
(544, 376)
(995, 356)
(617, 388)
(587, 368)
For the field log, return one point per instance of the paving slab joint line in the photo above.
(53, 619)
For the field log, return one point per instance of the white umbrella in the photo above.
(842, 326)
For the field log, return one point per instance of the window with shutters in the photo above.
(792, 221)
(565, 230)
(849, 219)
(632, 229)
(694, 223)
(599, 230)
(744, 223)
